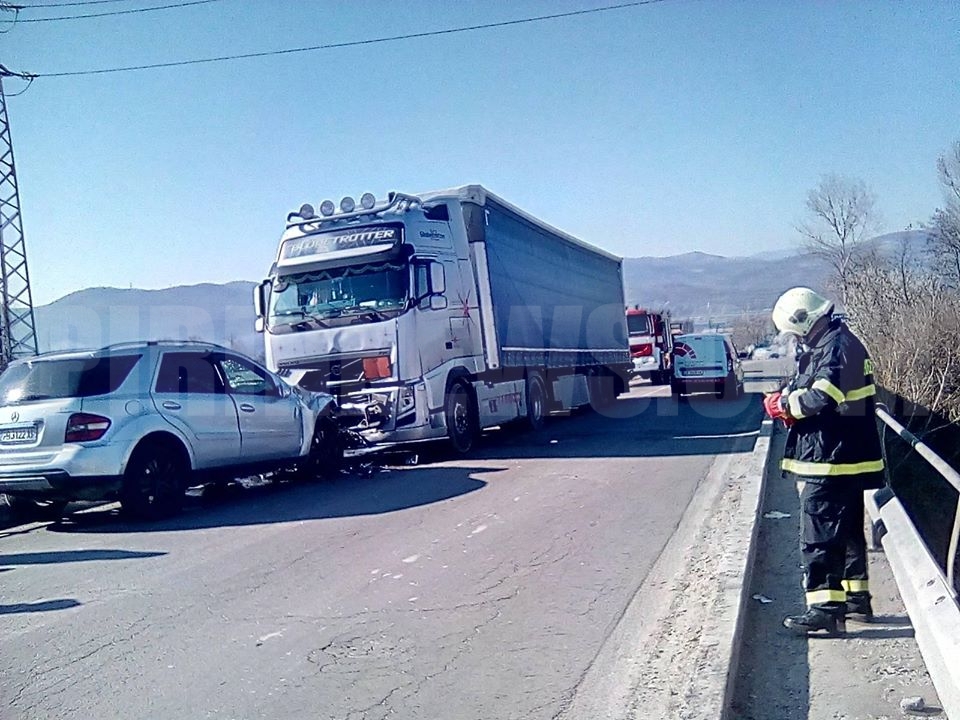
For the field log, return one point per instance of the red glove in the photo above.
(771, 404)
(774, 409)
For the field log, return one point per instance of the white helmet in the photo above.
(798, 309)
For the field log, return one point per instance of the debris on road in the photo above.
(763, 599)
(776, 515)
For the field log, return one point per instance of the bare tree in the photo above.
(944, 226)
(841, 216)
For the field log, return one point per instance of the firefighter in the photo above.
(833, 449)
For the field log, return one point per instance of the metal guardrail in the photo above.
(948, 473)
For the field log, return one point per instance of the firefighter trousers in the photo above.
(833, 546)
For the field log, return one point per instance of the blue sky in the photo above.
(679, 126)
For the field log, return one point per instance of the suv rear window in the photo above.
(70, 377)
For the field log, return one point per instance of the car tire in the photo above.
(326, 452)
(31, 509)
(536, 401)
(458, 408)
(154, 481)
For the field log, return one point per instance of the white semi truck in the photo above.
(440, 314)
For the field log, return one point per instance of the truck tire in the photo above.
(460, 417)
(155, 481)
(536, 401)
(600, 385)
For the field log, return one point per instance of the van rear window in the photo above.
(70, 377)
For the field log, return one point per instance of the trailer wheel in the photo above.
(461, 418)
(536, 403)
(600, 386)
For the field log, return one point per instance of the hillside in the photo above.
(695, 285)
(101, 316)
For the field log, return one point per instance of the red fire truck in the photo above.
(651, 344)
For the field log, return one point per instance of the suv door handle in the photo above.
(247, 407)
(171, 405)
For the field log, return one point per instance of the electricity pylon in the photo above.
(17, 334)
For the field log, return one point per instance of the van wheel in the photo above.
(461, 418)
(35, 509)
(536, 403)
(729, 389)
(154, 482)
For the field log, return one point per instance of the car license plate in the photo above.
(17, 436)
(694, 372)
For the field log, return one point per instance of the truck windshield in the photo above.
(364, 293)
(638, 324)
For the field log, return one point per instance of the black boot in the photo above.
(858, 603)
(816, 618)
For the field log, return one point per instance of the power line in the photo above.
(106, 14)
(39, 6)
(351, 43)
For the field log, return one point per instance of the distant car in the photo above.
(706, 363)
(141, 422)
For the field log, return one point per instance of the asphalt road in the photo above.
(477, 588)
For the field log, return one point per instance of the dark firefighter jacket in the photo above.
(832, 400)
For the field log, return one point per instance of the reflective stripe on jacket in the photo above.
(832, 399)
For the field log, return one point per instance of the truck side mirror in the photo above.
(258, 325)
(260, 298)
(438, 302)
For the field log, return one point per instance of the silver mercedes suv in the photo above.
(141, 422)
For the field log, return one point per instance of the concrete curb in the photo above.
(741, 559)
(932, 609)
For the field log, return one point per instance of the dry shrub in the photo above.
(910, 321)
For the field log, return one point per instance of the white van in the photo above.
(706, 363)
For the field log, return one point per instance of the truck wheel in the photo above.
(326, 452)
(28, 509)
(536, 403)
(154, 481)
(461, 418)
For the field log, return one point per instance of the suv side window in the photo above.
(188, 373)
(244, 378)
(69, 377)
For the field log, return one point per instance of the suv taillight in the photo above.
(83, 427)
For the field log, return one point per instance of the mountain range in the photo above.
(693, 285)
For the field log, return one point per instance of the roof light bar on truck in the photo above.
(395, 201)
